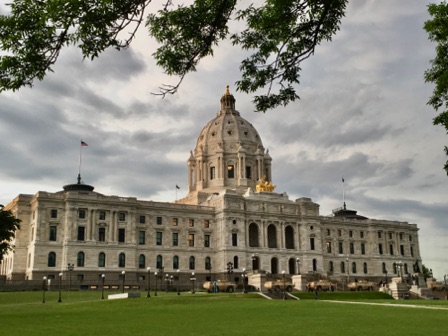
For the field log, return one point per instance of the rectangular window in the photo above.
(191, 222)
(175, 239)
(102, 215)
(379, 234)
(401, 236)
(212, 173)
(328, 247)
(175, 222)
(191, 239)
(402, 250)
(361, 234)
(412, 251)
(410, 238)
(339, 233)
(234, 239)
(341, 247)
(102, 234)
(390, 235)
(230, 171)
(391, 249)
(328, 232)
(350, 233)
(121, 235)
(81, 213)
(380, 248)
(81, 233)
(352, 248)
(142, 237)
(248, 172)
(142, 219)
(53, 233)
(54, 213)
(206, 223)
(121, 216)
(206, 240)
(158, 238)
(159, 220)
(312, 244)
(363, 248)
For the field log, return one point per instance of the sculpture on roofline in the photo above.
(264, 185)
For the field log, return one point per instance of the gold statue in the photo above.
(264, 185)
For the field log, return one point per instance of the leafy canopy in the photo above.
(8, 226)
(278, 35)
(437, 29)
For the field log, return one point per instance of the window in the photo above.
(342, 267)
(208, 263)
(175, 239)
(230, 171)
(363, 248)
(206, 240)
(380, 248)
(330, 266)
(401, 236)
(352, 248)
(102, 215)
(206, 223)
(191, 222)
(53, 233)
(384, 268)
(121, 235)
(175, 222)
(81, 233)
(312, 244)
(159, 220)
(212, 173)
(406, 269)
(101, 260)
(159, 262)
(102, 234)
(410, 238)
(236, 262)
(350, 233)
(361, 234)
(328, 232)
(412, 251)
(121, 260)
(80, 277)
(141, 261)
(191, 239)
(81, 213)
(54, 213)
(158, 238)
(379, 234)
(142, 219)
(391, 249)
(191, 263)
(234, 239)
(339, 233)
(175, 262)
(121, 216)
(365, 268)
(248, 172)
(402, 250)
(390, 235)
(341, 247)
(80, 259)
(141, 237)
(51, 259)
(353, 267)
(314, 265)
(328, 247)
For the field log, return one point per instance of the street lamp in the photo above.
(298, 265)
(444, 279)
(149, 281)
(171, 282)
(178, 280)
(243, 275)
(60, 286)
(103, 278)
(193, 278)
(167, 280)
(155, 292)
(229, 269)
(254, 260)
(348, 271)
(70, 268)
(44, 287)
(123, 277)
(284, 285)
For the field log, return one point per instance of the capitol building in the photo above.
(233, 221)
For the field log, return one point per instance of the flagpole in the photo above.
(80, 160)
(176, 192)
(343, 192)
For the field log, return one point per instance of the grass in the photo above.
(83, 313)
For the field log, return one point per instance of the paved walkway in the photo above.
(389, 304)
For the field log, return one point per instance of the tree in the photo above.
(437, 29)
(280, 34)
(427, 272)
(8, 226)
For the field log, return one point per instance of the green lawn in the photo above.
(83, 313)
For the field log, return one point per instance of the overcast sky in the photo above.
(362, 114)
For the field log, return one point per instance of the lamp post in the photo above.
(193, 279)
(284, 285)
(229, 269)
(178, 280)
(123, 278)
(254, 260)
(171, 282)
(149, 282)
(209, 266)
(60, 287)
(155, 292)
(103, 278)
(348, 271)
(167, 280)
(44, 287)
(70, 268)
(243, 275)
(298, 265)
(444, 279)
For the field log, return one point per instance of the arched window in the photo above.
(159, 262)
(101, 260)
(365, 268)
(384, 268)
(342, 267)
(141, 261)
(291, 266)
(274, 266)
(51, 259)
(330, 266)
(253, 235)
(272, 236)
(175, 262)
(353, 267)
(235, 262)
(406, 269)
(80, 259)
(314, 265)
(208, 263)
(121, 260)
(289, 237)
(255, 262)
(395, 268)
(191, 263)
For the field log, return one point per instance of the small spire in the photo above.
(227, 91)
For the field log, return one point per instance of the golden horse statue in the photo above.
(264, 185)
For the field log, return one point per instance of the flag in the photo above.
(177, 187)
(83, 144)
